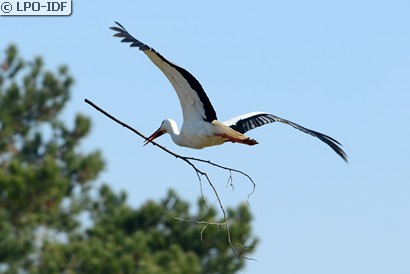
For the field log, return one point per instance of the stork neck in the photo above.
(172, 129)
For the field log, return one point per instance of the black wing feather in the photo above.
(193, 82)
(257, 120)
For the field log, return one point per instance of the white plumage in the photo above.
(200, 127)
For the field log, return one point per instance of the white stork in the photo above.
(200, 127)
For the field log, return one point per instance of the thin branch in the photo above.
(198, 172)
(239, 253)
(202, 233)
(229, 182)
(226, 168)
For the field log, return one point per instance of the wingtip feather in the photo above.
(335, 145)
(121, 26)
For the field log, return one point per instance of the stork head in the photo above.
(159, 132)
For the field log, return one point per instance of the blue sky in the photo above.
(338, 67)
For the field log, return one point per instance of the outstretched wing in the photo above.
(246, 122)
(195, 103)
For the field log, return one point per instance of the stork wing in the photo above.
(246, 122)
(195, 103)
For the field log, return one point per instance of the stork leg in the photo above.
(247, 141)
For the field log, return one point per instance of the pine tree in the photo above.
(45, 188)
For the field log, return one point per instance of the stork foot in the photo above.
(250, 142)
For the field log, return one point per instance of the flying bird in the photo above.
(201, 127)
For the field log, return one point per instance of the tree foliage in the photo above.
(50, 219)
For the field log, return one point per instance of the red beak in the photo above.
(154, 135)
